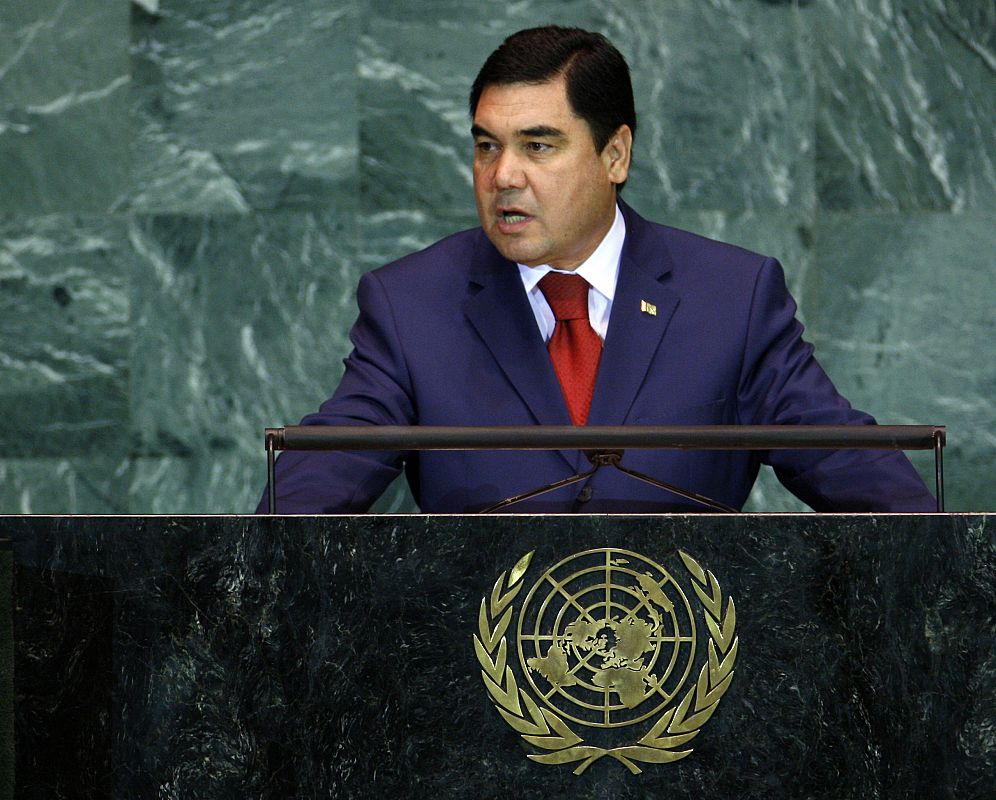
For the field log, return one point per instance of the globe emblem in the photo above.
(606, 638)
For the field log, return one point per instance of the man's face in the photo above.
(544, 195)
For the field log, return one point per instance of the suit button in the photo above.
(585, 494)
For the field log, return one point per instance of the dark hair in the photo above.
(597, 77)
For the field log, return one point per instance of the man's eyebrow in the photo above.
(542, 132)
(537, 131)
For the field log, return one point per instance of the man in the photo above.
(494, 326)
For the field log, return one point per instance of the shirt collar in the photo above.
(601, 269)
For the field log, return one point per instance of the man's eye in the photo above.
(486, 147)
(538, 147)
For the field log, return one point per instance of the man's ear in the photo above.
(618, 154)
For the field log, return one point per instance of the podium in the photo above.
(273, 657)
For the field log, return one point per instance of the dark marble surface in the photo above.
(332, 657)
(6, 670)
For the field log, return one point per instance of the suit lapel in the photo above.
(634, 333)
(498, 309)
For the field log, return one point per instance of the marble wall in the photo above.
(191, 188)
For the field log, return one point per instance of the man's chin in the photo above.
(513, 250)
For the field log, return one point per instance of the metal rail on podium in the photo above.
(604, 445)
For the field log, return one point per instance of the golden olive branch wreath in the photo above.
(544, 729)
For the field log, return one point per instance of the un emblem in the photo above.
(607, 640)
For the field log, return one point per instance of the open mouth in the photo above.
(511, 220)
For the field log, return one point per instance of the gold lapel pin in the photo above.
(648, 308)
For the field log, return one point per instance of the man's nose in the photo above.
(508, 171)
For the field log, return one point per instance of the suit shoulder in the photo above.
(692, 248)
(695, 265)
(693, 260)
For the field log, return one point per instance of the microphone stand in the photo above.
(611, 458)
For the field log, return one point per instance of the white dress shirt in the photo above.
(601, 270)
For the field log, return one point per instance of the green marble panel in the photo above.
(220, 482)
(907, 102)
(64, 314)
(901, 309)
(240, 323)
(94, 484)
(724, 100)
(64, 125)
(769, 497)
(457, 15)
(241, 106)
(205, 482)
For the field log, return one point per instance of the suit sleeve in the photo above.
(781, 383)
(375, 390)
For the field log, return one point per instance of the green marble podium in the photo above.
(273, 657)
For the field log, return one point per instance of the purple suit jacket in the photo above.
(446, 336)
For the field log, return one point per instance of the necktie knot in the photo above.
(566, 294)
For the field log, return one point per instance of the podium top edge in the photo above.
(606, 437)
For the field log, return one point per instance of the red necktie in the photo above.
(574, 347)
